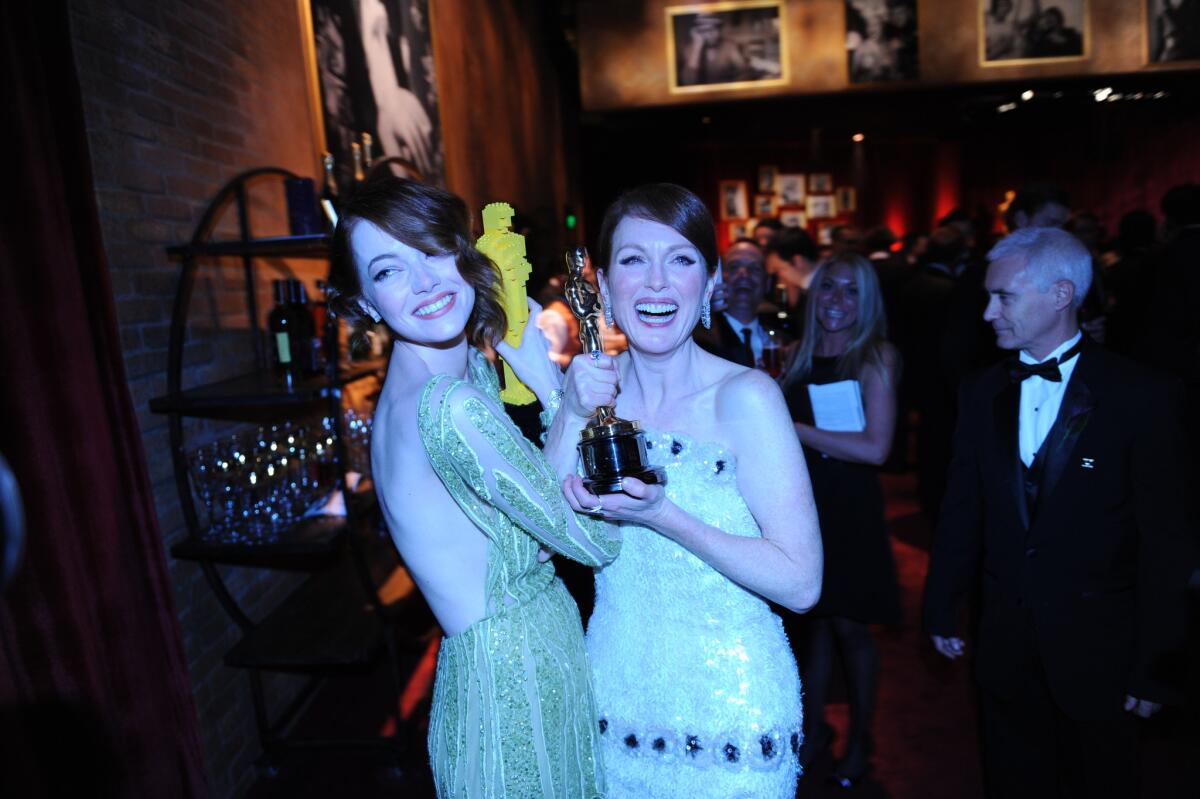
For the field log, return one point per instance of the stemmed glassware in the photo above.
(256, 484)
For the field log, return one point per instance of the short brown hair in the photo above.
(427, 219)
(667, 204)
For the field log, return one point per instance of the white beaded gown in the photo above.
(695, 682)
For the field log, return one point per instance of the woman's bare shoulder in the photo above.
(750, 407)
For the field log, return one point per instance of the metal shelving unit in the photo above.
(335, 621)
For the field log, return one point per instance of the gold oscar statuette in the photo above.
(611, 448)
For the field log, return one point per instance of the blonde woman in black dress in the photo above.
(843, 339)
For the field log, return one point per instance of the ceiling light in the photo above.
(1102, 94)
(1027, 95)
(858, 137)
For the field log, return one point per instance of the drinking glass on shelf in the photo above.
(256, 484)
(357, 429)
(205, 474)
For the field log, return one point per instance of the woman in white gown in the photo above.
(695, 683)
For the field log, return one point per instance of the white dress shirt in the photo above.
(1041, 399)
(757, 334)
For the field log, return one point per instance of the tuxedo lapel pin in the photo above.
(1088, 463)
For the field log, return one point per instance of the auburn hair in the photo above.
(667, 204)
(430, 220)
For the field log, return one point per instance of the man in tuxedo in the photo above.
(1067, 489)
(737, 333)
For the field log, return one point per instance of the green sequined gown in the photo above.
(513, 713)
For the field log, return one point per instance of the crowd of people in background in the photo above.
(908, 318)
(932, 290)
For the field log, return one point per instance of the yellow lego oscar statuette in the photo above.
(507, 251)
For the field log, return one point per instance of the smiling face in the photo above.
(422, 298)
(746, 275)
(836, 299)
(655, 284)
(1023, 317)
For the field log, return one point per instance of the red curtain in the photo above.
(94, 688)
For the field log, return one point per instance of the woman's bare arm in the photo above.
(785, 565)
(873, 444)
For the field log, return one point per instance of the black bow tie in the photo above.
(1047, 370)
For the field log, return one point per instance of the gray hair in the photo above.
(1050, 255)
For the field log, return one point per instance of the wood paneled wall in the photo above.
(500, 108)
(623, 50)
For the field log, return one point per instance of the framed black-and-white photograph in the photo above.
(793, 219)
(881, 40)
(791, 189)
(765, 205)
(1020, 31)
(1172, 30)
(820, 183)
(847, 200)
(371, 69)
(767, 176)
(825, 233)
(727, 45)
(735, 203)
(822, 207)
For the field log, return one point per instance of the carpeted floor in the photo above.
(925, 731)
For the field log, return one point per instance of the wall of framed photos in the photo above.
(638, 53)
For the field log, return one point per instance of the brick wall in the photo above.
(179, 97)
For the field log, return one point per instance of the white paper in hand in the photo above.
(838, 406)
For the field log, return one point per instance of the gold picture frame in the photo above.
(847, 199)
(766, 205)
(793, 219)
(768, 177)
(1147, 43)
(793, 188)
(1086, 22)
(821, 206)
(772, 57)
(734, 200)
(425, 162)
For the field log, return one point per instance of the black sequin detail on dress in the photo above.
(768, 747)
(603, 726)
(631, 741)
(731, 753)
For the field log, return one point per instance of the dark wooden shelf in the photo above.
(310, 544)
(249, 396)
(314, 246)
(326, 625)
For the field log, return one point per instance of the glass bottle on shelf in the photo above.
(307, 331)
(356, 154)
(783, 314)
(320, 317)
(283, 323)
(366, 149)
(330, 202)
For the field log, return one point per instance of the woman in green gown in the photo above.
(472, 506)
